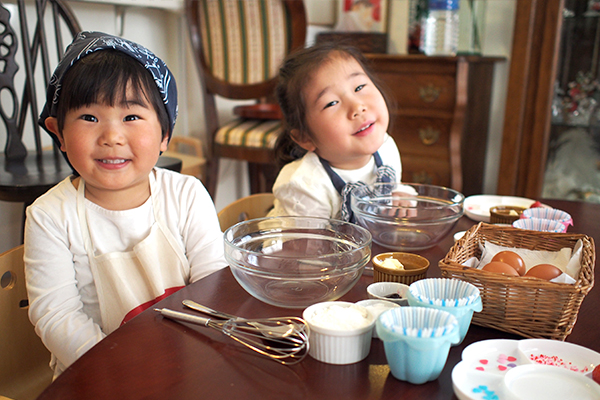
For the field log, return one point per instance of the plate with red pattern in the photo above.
(481, 373)
(561, 354)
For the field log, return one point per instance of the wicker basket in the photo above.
(527, 307)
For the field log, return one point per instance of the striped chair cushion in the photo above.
(244, 41)
(250, 133)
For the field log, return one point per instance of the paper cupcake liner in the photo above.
(444, 292)
(419, 322)
(540, 224)
(548, 213)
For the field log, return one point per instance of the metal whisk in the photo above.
(256, 334)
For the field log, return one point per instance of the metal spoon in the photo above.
(278, 332)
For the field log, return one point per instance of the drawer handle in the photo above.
(429, 93)
(429, 136)
(422, 177)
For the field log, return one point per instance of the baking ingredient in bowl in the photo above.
(513, 259)
(392, 263)
(500, 268)
(544, 271)
(393, 296)
(341, 318)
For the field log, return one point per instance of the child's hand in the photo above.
(401, 198)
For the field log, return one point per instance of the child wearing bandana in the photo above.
(336, 137)
(119, 234)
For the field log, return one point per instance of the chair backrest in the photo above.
(239, 45)
(249, 207)
(24, 361)
(189, 151)
(33, 39)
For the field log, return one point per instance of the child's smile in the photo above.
(366, 129)
(113, 148)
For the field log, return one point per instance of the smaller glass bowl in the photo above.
(407, 222)
(294, 262)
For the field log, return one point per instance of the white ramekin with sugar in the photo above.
(340, 332)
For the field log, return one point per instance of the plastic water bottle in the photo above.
(440, 28)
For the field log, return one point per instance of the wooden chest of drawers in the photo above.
(440, 117)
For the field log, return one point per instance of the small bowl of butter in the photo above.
(399, 267)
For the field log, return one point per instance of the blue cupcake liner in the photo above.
(419, 322)
(444, 292)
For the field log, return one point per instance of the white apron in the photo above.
(129, 282)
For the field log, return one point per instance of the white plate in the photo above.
(478, 207)
(561, 354)
(479, 375)
(485, 366)
(474, 385)
(534, 381)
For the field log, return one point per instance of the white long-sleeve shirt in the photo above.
(63, 302)
(304, 188)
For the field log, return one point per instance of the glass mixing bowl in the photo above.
(406, 222)
(295, 262)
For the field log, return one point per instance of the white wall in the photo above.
(163, 31)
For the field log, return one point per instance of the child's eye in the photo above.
(359, 88)
(131, 118)
(89, 118)
(330, 104)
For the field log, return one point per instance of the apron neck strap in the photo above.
(384, 174)
(337, 180)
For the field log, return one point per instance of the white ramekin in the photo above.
(338, 346)
(376, 307)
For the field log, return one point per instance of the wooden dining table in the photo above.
(151, 357)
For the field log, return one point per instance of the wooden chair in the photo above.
(24, 361)
(28, 57)
(254, 206)
(189, 151)
(238, 47)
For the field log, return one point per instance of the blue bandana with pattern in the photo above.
(86, 43)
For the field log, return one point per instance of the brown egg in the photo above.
(500, 268)
(513, 259)
(544, 271)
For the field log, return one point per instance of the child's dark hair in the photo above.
(294, 74)
(104, 77)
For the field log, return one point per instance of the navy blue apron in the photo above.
(385, 173)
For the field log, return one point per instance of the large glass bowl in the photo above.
(404, 222)
(294, 262)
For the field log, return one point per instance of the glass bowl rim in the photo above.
(331, 270)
